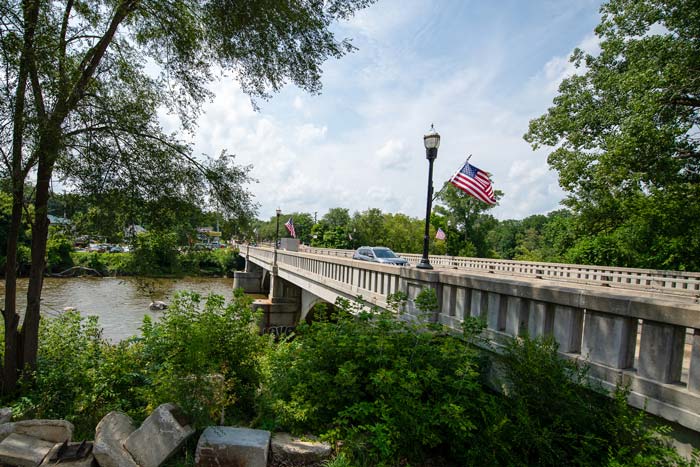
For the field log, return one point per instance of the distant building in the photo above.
(61, 223)
(208, 236)
(56, 220)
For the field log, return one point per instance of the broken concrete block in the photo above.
(85, 458)
(110, 434)
(23, 451)
(289, 450)
(159, 437)
(225, 445)
(56, 431)
(5, 415)
(6, 429)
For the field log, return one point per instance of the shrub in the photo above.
(388, 388)
(155, 253)
(58, 253)
(219, 262)
(79, 376)
(206, 356)
(556, 416)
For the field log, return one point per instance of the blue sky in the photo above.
(478, 70)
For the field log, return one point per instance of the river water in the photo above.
(120, 303)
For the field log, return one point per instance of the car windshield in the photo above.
(384, 253)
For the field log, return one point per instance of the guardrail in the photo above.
(674, 282)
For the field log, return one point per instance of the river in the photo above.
(120, 303)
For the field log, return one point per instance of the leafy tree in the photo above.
(403, 233)
(79, 103)
(337, 217)
(369, 227)
(624, 135)
(467, 217)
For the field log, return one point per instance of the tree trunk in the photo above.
(40, 232)
(11, 318)
(10, 315)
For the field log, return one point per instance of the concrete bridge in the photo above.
(640, 327)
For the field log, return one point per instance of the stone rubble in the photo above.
(110, 435)
(288, 450)
(159, 436)
(87, 461)
(119, 443)
(24, 451)
(226, 445)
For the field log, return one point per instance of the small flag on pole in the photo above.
(440, 234)
(474, 182)
(290, 226)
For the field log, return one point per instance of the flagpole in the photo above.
(453, 176)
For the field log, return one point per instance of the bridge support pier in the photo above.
(282, 308)
(250, 280)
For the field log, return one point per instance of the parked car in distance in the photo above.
(379, 254)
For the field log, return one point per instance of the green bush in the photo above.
(219, 262)
(155, 253)
(116, 264)
(79, 376)
(206, 356)
(556, 416)
(58, 253)
(389, 389)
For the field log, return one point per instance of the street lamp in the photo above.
(432, 142)
(277, 237)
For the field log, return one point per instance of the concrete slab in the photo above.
(224, 445)
(159, 437)
(24, 451)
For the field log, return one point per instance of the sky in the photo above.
(478, 70)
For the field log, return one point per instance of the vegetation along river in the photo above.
(120, 303)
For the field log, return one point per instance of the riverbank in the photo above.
(214, 263)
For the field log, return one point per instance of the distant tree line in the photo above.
(561, 236)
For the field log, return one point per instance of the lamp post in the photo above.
(277, 238)
(432, 142)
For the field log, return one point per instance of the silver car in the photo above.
(379, 254)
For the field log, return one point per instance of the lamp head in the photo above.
(278, 211)
(432, 139)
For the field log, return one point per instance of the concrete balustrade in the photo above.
(592, 323)
(678, 282)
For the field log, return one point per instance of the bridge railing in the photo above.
(678, 282)
(645, 339)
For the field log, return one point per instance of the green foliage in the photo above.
(388, 389)
(156, 253)
(556, 416)
(118, 264)
(58, 253)
(206, 356)
(622, 139)
(79, 376)
(218, 262)
(203, 356)
(467, 221)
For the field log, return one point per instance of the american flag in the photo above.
(440, 234)
(474, 182)
(290, 226)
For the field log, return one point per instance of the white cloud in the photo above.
(360, 143)
(392, 155)
(308, 133)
